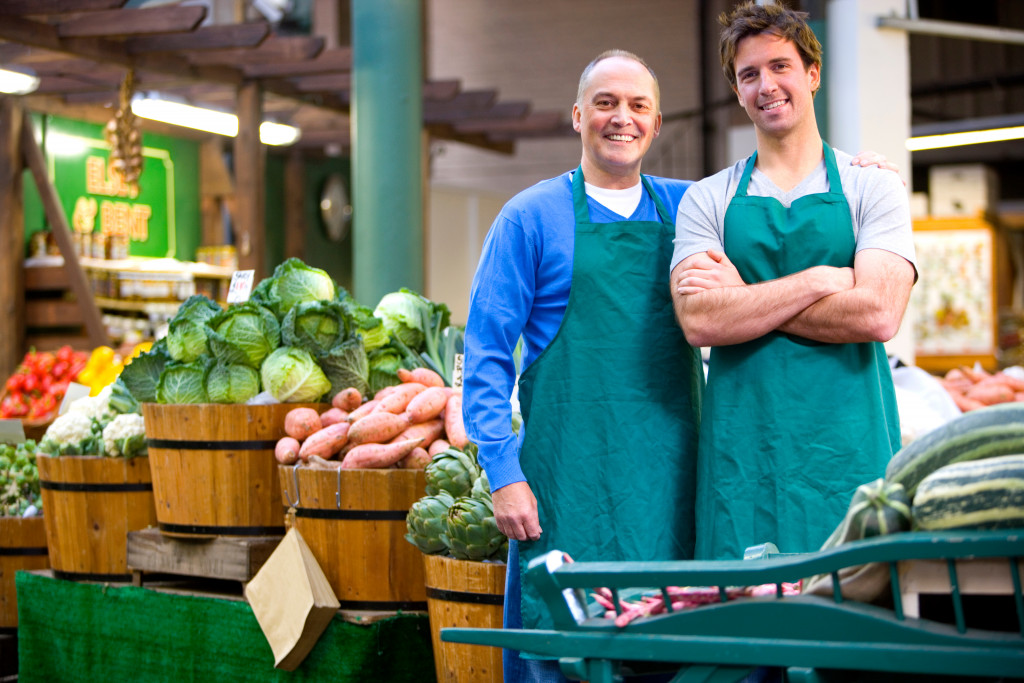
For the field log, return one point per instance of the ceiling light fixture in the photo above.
(156, 108)
(972, 137)
(18, 80)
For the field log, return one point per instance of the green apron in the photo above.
(790, 426)
(611, 406)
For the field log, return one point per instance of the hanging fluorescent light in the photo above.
(972, 137)
(209, 120)
(18, 80)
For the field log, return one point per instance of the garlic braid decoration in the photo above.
(122, 134)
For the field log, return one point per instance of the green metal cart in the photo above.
(812, 638)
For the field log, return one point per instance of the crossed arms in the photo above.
(864, 303)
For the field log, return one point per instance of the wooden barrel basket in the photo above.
(22, 548)
(354, 522)
(90, 504)
(214, 472)
(464, 594)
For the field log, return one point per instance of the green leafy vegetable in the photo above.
(232, 383)
(245, 333)
(367, 326)
(292, 283)
(186, 336)
(184, 382)
(316, 326)
(291, 375)
(142, 375)
(346, 365)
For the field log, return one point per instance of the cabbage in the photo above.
(184, 382)
(369, 327)
(143, 373)
(232, 383)
(384, 364)
(346, 365)
(292, 283)
(244, 334)
(316, 326)
(291, 375)
(186, 336)
(405, 316)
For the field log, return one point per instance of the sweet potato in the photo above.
(379, 426)
(327, 442)
(364, 410)
(378, 455)
(404, 375)
(287, 450)
(385, 392)
(301, 423)
(347, 399)
(418, 459)
(318, 463)
(426, 377)
(966, 404)
(438, 446)
(1009, 380)
(991, 392)
(333, 416)
(397, 400)
(974, 375)
(426, 405)
(454, 427)
(429, 431)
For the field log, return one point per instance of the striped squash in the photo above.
(876, 508)
(983, 433)
(983, 494)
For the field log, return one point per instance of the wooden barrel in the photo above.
(214, 472)
(354, 522)
(22, 547)
(90, 504)
(464, 594)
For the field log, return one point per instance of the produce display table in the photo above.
(71, 631)
(816, 638)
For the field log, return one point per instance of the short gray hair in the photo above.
(607, 54)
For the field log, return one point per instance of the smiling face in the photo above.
(617, 117)
(774, 86)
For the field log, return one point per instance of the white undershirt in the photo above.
(622, 202)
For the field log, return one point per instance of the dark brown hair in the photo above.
(749, 19)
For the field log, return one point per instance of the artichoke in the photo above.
(470, 530)
(452, 471)
(481, 487)
(426, 521)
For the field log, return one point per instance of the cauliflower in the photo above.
(73, 433)
(97, 406)
(125, 436)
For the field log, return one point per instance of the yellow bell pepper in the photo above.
(102, 368)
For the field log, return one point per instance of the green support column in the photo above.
(387, 118)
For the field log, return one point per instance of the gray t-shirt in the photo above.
(878, 205)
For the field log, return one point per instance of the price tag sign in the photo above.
(12, 432)
(457, 371)
(74, 392)
(241, 286)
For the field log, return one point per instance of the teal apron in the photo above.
(790, 426)
(611, 406)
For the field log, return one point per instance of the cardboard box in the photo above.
(962, 190)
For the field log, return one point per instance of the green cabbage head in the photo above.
(232, 383)
(291, 375)
(244, 334)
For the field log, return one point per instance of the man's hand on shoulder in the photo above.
(515, 511)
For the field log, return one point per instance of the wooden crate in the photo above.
(232, 558)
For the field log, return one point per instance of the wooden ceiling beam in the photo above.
(539, 121)
(19, 7)
(133, 22)
(337, 59)
(272, 50)
(203, 38)
(500, 110)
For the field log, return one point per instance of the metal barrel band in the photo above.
(221, 530)
(362, 515)
(95, 488)
(23, 551)
(463, 596)
(177, 444)
(295, 480)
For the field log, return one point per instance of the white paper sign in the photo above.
(241, 286)
(457, 371)
(74, 392)
(12, 431)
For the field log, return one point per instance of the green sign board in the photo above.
(158, 218)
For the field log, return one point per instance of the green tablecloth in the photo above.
(70, 631)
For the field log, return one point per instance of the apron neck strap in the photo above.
(582, 210)
(831, 168)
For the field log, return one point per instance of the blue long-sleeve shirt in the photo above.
(521, 288)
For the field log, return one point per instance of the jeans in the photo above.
(516, 669)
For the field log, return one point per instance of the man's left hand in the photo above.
(710, 270)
